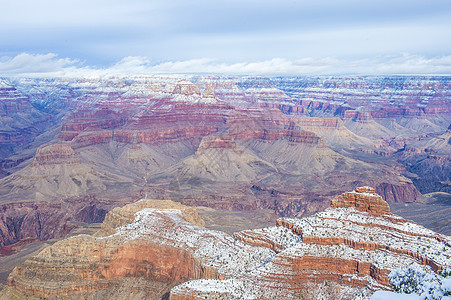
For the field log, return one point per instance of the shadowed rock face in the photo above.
(20, 123)
(159, 245)
(44, 220)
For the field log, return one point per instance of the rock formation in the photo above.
(380, 96)
(158, 249)
(54, 155)
(209, 92)
(339, 252)
(20, 123)
(363, 199)
(430, 161)
(43, 220)
(39, 200)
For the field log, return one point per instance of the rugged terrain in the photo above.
(72, 149)
(152, 247)
(343, 252)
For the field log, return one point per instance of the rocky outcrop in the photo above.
(44, 220)
(363, 199)
(160, 249)
(209, 92)
(121, 216)
(345, 248)
(157, 245)
(274, 238)
(211, 142)
(186, 89)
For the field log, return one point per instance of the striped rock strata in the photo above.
(161, 246)
(344, 252)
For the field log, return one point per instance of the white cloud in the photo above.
(26, 64)
(50, 65)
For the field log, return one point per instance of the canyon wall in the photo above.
(237, 143)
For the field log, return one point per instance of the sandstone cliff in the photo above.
(363, 199)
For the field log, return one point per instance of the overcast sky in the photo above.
(277, 37)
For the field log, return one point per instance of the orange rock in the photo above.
(363, 199)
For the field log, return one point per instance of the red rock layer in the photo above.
(100, 266)
(363, 199)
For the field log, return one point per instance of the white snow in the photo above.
(386, 295)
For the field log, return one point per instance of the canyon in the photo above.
(72, 150)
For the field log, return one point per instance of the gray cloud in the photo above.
(101, 32)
